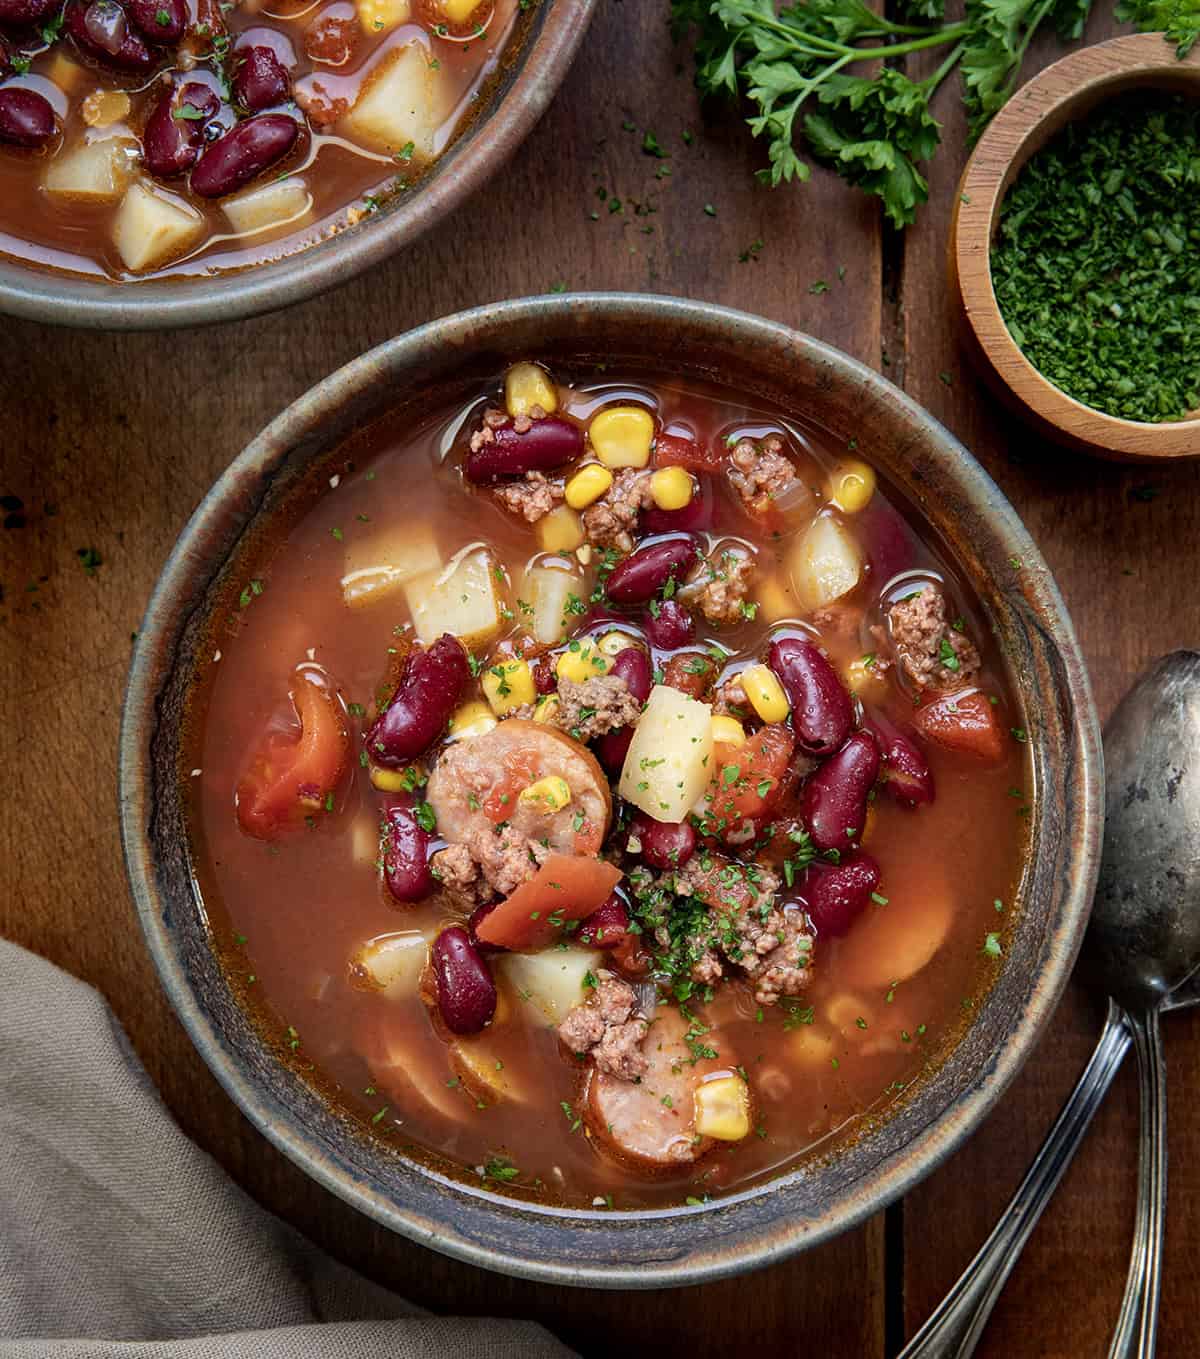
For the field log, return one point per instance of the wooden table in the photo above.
(110, 442)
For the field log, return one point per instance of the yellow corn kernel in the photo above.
(508, 685)
(765, 693)
(391, 780)
(727, 730)
(380, 16)
(582, 661)
(472, 719)
(621, 436)
(546, 709)
(550, 794)
(613, 643)
(560, 530)
(458, 11)
(525, 386)
(864, 678)
(723, 1109)
(851, 485)
(588, 485)
(671, 488)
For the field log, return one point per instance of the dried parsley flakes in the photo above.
(1096, 264)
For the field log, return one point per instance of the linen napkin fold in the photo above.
(120, 1238)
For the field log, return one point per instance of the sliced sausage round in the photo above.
(650, 1125)
(477, 783)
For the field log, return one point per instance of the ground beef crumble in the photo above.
(600, 704)
(760, 470)
(490, 862)
(460, 877)
(932, 652)
(611, 520)
(605, 1028)
(533, 498)
(774, 949)
(720, 587)
(493, 420)
(730, 699)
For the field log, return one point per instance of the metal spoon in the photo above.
(1143, 944)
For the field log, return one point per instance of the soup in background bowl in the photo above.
(598, 783)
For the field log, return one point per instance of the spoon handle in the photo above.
(1137, 1328)
(953, 1330)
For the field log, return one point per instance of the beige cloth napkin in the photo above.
(120, 1238)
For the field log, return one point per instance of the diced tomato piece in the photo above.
(724, 884)
(748, 781)
(965, 723)
(290, 779)
(566, 887)
(670, 450)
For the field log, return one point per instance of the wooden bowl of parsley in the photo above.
(1075, 249)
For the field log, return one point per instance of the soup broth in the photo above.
(774, 969)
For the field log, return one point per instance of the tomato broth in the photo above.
(746, 1067)
(226, 134)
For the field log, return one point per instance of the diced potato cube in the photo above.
(393, 963)
(152, 227)
(551, 983)
(825, 563)
(668, 765)
(549, 584)
(379, 564)
(723, 1108)
(92, 172)
(812, 1047)
(381, 16)
(282, 201)
(461, 599)
(68, 75)
(560, 530)
(398, 106)
(483, 1074)
(775, 600)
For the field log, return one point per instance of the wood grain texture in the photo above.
(1120, 543)
(1072, 88)
(120, 436)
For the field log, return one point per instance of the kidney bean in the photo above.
(22, 13)
(671, 628)
(664, 844)
(466, 993)
(429, 691)
(546, 444)
(174, 132)
(822, 711)
(633, 666)
(695, 517)
(544, 680)
(162, 21)
(906, 772)
(607, 925)
(640, 576)
(243, 153)
(26, 118)
(833, 802)
(5, 57)
(835, 895)
(478, 915)
(101, 30)
(888, 542)
(611, 749)
(260, 80)
(406, 856)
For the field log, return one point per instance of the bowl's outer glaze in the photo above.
(517, 97)
(982, 532)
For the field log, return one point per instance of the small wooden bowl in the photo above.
(1063, 93)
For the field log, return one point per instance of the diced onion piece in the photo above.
(284, 202)
(552, 983)
(723, 1108)
(397, 111)
(103, 108)
(669, 762)
(379, 564)
(825, 563)
(152, 227)
(92, 172)
(68, 75)
(393, 963)
(461, 599)
(550, 582)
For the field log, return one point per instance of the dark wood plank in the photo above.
(1118, 540)
(120, 436)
